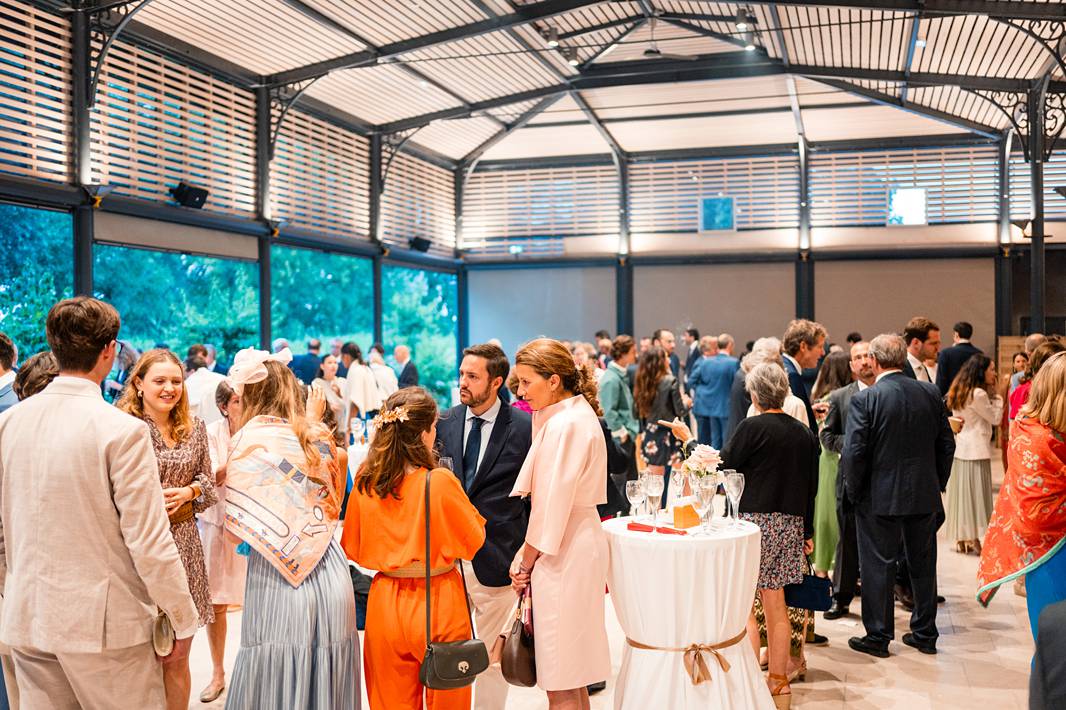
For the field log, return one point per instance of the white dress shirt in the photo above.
(7, 378)
(920, 370)
(488, 421)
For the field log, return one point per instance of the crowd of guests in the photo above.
(854, 457)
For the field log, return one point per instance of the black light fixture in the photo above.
(551, 37)
(743, 21)
(276, 226)
(188, 195)
(420, 244)
(749, 41)
(570, 54)
(97, 193)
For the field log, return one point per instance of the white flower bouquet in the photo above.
(703, 462)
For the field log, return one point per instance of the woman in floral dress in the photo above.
(156, 393)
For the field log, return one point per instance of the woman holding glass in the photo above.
(779, 459)
(657, 396)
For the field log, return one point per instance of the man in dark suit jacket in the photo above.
(1047, 682)
(305, 367)
(951, 360)
(487, 443)
(897, 458)
(846, 568)
(408, 371)
(803, 345)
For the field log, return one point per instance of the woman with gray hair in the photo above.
(778, 456)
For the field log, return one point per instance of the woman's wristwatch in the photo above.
(197, 491)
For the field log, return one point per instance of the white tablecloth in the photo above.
(671, 591)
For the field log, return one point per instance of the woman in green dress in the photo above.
(834, 373)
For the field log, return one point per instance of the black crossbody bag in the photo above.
(449, 664)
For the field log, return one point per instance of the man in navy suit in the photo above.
(305, 367)
(896, 461)
(487, 443)
(408, 371)
(803, 345)
(951, 360)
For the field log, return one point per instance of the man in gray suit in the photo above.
(846, 569)
(87, 558)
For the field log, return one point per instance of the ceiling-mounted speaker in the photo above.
(189, 196)
(420, 244)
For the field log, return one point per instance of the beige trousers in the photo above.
(492, 608)
(120, 679)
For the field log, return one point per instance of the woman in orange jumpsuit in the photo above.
(384, 531)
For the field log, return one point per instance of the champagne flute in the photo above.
(642, 479)
(635, 494)
(654, 487)
(734, 488)
(446, 462)
(705, 491)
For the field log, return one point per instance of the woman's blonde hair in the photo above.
(1047, 398)
(397, 443)
(279, 396)
(549, 357)
(181, 421)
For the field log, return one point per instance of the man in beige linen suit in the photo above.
(86, 554)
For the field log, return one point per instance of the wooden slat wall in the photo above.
(1021, 187)
(851, 188)
(665, 197)
(535, 209)
(157, 123)
(419, 201)
(320, 176)
(34, 86)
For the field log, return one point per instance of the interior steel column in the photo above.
(80, 147)
(804, 264)
(623, 280)
(375, 230)
(805, 286)
(1004, 277)
(378, 319)
(262, 208)
(623, 268)
(1036, 250)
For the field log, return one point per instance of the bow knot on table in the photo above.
(694, 656)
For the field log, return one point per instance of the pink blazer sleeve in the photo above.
(558, 469)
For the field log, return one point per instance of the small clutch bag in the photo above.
(163, 635)
(813, 593)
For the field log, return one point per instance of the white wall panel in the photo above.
(745, 300)
(517, 305)
(875, 297)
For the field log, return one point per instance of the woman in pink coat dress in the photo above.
(565, 554)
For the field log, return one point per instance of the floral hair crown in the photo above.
(389, 416)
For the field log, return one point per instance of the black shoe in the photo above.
(818, 640)
(835, 612)
(863, 644)
(940, 599)
(926, 648)
(596, 687)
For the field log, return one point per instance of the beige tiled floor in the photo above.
(983, 662)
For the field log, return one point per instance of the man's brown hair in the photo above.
(7, 353)
(802, 331)
(495, 359)
(918, 327)
(78, 329)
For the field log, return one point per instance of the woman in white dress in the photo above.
(226, 569)
(385, 375)
(364, 396)
(336, 391)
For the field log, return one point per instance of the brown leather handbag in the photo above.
(518, 660)
(447, 665)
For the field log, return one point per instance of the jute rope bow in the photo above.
(694, 659)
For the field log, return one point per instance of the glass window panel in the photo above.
(420, 310)
(316, 294)
(36, 270)
(180, 299)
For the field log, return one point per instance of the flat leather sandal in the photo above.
(781, 701)
(208, 697)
